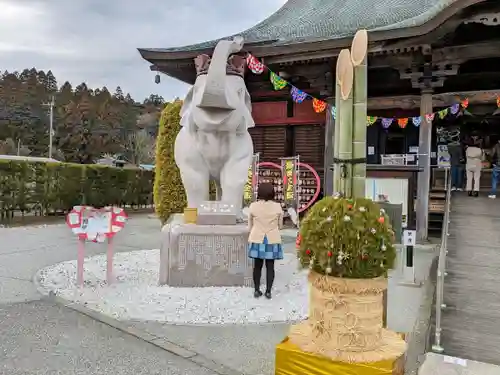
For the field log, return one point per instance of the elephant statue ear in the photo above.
(250, 123)
(186, 107)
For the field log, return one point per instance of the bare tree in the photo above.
(141, 146)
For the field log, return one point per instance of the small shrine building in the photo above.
(434, 71)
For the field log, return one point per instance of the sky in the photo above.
(96, 41)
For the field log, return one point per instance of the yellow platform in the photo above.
(290, 360)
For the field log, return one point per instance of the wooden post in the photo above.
(329, 152)
(109, 262)
(79, 262)
(424, 162)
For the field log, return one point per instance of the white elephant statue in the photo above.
(214, 142)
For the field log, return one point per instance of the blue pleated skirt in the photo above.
(265, 250)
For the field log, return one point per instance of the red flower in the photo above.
(308, 252)
(381, 220)
(349, 206)
(329, 254)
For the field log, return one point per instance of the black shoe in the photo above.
(267, 294)
(257, 294)
(469, 193)
(476, 194)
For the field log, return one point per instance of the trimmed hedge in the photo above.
(55, 187)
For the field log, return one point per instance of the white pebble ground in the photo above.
(136, 295)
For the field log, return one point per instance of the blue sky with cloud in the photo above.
(96, 41)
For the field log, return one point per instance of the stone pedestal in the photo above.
(204, 255)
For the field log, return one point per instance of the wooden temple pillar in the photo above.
(424, 162)
(329, 144)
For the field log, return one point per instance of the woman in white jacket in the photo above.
(473, 167)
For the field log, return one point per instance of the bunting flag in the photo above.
(386, 122)
(402, 122)
(319, 105)
(299, 96)
(370, 120)
(442, 113)
(334, 112)
(255, 66)
(278, 82)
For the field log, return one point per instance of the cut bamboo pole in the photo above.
(359, 52)
(345, 113)
(336, 134)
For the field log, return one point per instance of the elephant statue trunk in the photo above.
(214, 93)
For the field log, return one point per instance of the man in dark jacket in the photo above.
(456, 152)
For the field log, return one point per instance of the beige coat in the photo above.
(474, 158)
(265, 218)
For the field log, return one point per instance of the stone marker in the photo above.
(204, 255)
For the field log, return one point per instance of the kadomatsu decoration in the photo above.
(348, 244)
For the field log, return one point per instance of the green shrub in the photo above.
(349, 238)
(55, 187)
(169, 195)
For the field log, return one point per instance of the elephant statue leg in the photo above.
(234, 174)
(194, 172)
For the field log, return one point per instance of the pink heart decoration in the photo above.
(96, 225)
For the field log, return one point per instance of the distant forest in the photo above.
(88, 123)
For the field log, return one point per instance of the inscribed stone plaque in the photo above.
(205, 255)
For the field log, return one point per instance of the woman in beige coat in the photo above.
(473, 167)
(265, 219)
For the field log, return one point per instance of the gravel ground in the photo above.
(40, 338)
(136, 295)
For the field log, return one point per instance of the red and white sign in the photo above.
(96, 225)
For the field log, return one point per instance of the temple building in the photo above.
(434, 75)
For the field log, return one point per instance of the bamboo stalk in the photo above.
(345, 110)
(359, 54)
(336, 144)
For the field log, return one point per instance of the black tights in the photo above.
(257, 272)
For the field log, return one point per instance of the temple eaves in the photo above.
(316, 24)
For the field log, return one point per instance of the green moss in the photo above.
(349, 238)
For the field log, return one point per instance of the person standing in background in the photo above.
(473, 166)
(457, 166)
(265, 219)
(495, 172)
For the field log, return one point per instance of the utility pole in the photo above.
(51, 123)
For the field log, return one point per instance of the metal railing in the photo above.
(441, 268)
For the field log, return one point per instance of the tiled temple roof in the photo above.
(301, 21)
